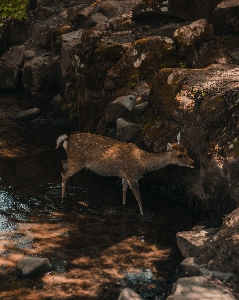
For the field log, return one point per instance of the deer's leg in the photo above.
(125, 187)
(65, 175)
(135, 188)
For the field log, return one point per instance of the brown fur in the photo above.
(109, 157)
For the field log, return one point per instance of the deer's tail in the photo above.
(62, 141)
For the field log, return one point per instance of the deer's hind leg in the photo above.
(135, 188)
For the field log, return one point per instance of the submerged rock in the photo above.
(33, 266)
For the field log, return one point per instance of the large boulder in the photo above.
(203, 104)
(225, 18)
(182, 9)
(10, 66)
(193, 41)
(141, 61)
(42, 76)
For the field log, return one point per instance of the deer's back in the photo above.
(104, 155)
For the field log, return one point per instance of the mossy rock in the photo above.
(56, 37)
(142, 60)
(110, 53)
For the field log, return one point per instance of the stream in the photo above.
(95, 246)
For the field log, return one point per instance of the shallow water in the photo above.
(91, 241)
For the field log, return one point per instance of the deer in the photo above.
(109, 157)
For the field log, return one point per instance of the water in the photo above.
(90, 240)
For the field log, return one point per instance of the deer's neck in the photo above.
(157, 161)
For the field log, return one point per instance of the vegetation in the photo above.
(13, 8)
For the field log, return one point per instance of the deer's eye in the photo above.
(180, 156)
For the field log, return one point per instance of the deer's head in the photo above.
(179, 156)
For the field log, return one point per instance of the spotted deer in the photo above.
(109, 157)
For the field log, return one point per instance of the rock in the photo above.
(71, 44)
(225, 17)
(95, 19)
(109, 9)
(119, 108)
(85, 13)
(145, 95)
(198, 288)
(29, 54)
(167, 10)
(190, 267)
(90, 38)
(29, 114)
(56, 37)
(190, 242)
(43, 13)
(193, 41)
(110, 53)
(122, 24)
(224, 276)
(139, 109)
(17, 32)
(42, 36)
(72, 13)
(33, 266)
(56, 101)
(127, 131)
(142, 60)
(205, 272)
(197, 100)
(42, 76)
(231, 221)
(234, 54)
(128, 294)
(10, 65)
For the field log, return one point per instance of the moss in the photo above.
(236, 147)
(70, 110)
(110, 53)
(8, 79)
(143, 60)
(213, 105)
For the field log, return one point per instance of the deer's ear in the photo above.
(169, 147)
